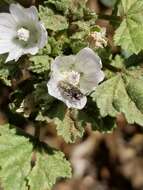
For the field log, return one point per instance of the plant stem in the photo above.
(112, 68)
(114, 18)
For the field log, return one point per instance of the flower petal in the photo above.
(31, 50)
(55, 92)
(53, 87)
(63, 63)
(32, 13)
(90, 81)
(5, 46)
(18, 12)
(79, 104)
(6, 33)
(14, 54)
(7, 21)
(43, 35)
(87, 61)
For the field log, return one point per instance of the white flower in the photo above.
(21, 32)
(75, 76)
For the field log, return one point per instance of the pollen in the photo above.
(23, 34)
(72, 77)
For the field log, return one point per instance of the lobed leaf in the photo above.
(16, 156)
(122, 93)
(4, 71)
(67, 124)
(48, 167)
(129, 35)
(52, 21)
(40, 63)
(60, 5)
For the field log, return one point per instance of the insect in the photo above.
(70, 91)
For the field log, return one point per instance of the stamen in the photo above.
(23, 34)
(72, 77)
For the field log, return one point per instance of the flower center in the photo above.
(23, 34)
(72, 77)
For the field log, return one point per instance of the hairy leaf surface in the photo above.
(122, 93)
(16, 155)
(130, 33)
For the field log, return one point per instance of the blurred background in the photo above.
(106, 161)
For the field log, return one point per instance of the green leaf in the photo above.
(82, 25)
(91, 116)
(66, 121)
(41, 97)
(130, 33)
(4, 72)
(77, 45)
(79, 35)
(46, 50)
(77, 8)
(135, 91)
(58, 45)
(52, 21)
(48, 167)
(118, 62)
(68, 129)
(60, 5)
(56, 23)
(122, 93)
(40, 63)
(15, 158)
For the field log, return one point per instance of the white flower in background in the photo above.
(21, 32)
(75, 76)
(97, 39)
